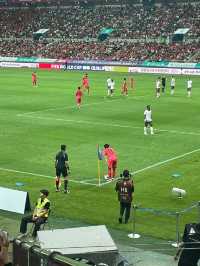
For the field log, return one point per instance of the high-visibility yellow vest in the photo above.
(39, 209)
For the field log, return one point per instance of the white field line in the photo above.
(158, 164)
(106, 100)
(58, 108)
(47, 176)
(105, 183)
(77, 121)
(91, 179)
(107, 124)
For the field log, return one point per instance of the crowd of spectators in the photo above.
(130, 22)
(81, 50)
(146, 26)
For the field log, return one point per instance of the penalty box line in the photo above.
(107, 124)
(47, 176)
(158, 164)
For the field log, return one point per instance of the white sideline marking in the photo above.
(47, 176)
(157, 164)
(105, 183)
(91, 179)
(107, 124)
(168, 160)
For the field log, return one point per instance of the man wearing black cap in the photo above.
(40, 214)
(62, 168)
(125, 189)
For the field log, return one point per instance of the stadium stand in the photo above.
(93, 50)
(140, 32)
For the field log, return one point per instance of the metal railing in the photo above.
(30, 254)
(176, 214)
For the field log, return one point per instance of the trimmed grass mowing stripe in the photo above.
(74, 106)
(58, 108)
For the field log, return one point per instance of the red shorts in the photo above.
(78, 100)
(112, 163)
(86, 85)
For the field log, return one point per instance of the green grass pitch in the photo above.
(35, 121)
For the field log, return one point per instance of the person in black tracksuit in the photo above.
(62, 168)
(125, 189)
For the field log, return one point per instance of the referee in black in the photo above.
(163, 81)
(62, 168)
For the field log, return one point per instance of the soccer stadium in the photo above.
(100, 136)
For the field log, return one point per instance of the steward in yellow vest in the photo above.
(41, 208)
(40, 214)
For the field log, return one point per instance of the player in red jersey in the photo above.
(124, 87)
(34, 79)
(85, 83)
(78, 95)
(111, 161)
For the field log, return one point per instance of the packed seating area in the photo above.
(95, 50)
(78, 22)
(138, 32)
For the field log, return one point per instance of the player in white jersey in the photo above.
(109, 81)
(112, 87)
(172, 84)
(189, 87)
(148, 120)
(158, 85)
